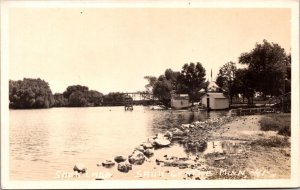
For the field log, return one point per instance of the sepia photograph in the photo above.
(135, 94)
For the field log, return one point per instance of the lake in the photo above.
(45, 141)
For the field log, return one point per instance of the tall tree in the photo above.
(267, 62)
(151, 82)
(162, 90)
(244, 84)
(172, 76)
(226, 77)
(191, 80)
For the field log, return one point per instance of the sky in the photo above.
(110, 49)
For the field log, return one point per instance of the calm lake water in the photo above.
(43, 142)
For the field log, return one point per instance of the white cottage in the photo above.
(180, 101)
(213, 98)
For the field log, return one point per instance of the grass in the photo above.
(272, 142)
(277, 122)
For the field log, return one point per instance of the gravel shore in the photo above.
(219, 148)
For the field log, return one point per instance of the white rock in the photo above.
(80, 168)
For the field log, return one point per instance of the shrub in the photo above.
(277, 122)
(272, 142)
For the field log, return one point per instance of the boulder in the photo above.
(119, 159)
(186, 131)
(124, 167)
(178, 132)
(149, 152)
(136, 158)
(161, 142)
(184, 126)
(168, 134)
(147, 145)
(139, 148)
(80, 168)
(108, 164)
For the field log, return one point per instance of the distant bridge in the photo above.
(138, 96)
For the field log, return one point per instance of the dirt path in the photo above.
(258, 161)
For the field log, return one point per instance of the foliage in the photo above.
(74, 88)
(60, 100)
(172, 77)
(30, 93)
(226, 79)
(151, 82)
(272, 141)
(80, 96)
(114, 99)
(162, 90)
(191, 80)
(280, 123)
(244, 84)
(78, 99)
(267, 62)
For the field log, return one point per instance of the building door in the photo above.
(207, 103)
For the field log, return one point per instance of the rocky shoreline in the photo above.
(192, 137)
(218, 148)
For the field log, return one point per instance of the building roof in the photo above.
(216, 95)
(180, 96)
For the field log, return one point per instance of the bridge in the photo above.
(137, 98)
(129, 99)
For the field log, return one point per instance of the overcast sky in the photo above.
(113, 49)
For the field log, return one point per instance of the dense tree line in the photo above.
(114, 99)
(267, 72)
(36, 93)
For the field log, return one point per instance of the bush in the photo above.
(272, 142)
(280, 123)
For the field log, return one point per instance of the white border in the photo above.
(293, 182)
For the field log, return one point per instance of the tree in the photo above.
(114, 99)
(94, 98)
(79, 96)
(162, 87)
(172, 76)
(244, 84)
(226, 77)
(267, 63)
(162, 90)
(60, 100)
(74, 88)
(151, 82)
(191, 80)
(78, 99)
(30, 93)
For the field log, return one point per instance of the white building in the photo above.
(180, 101)
(214, 99)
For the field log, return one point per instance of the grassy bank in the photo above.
(277, 122)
